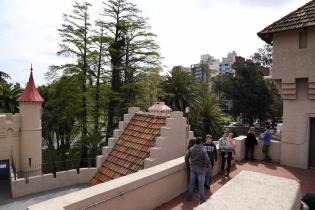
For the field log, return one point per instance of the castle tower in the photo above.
(30, 103)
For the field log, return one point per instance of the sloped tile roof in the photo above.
(131, 149)
(300, 18)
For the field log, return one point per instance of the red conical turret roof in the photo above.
(30, 93)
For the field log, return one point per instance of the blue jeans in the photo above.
(200, 174)
(208, 175)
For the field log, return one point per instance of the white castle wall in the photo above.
(10, 137)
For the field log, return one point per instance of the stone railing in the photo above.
(274, 150)
(145, 189)
(158, 184)
(41, 183)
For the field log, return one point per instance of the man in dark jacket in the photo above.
(211, 150)
(199, 161)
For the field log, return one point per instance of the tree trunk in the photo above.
(97, 94)
(84, 111)
(116, 61)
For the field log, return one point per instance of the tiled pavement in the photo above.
(305, 177)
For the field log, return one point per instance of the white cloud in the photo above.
(185, 28)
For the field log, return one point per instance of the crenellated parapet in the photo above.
(173, 140)
(9, 122)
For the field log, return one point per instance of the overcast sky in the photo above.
(185, 30)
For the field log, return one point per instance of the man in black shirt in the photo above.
(211, 150)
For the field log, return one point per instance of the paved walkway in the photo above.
(23, 202)
(305, 177)
(5, 191)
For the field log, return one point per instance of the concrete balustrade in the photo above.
(41, 183)
(274, 149)
(145, 189)
(155, 185)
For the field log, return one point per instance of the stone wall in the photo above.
(9, 137)
(274, 149)
(145, 189)
(41, 183)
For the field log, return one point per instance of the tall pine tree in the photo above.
(76, 41)
(132, 47)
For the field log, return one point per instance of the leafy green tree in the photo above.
(207, 117)
(151, 90)
(263, 56)
(276, 106)
(99, 57)
(76, 42)
(132, 47)
(60, 116)
(9, 94)
(248, 91)
(180, 90)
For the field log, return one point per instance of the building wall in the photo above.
(294, 75)
(290, 62)
(9, 137)
(226, 64)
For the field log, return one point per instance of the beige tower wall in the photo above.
(293, 72)
(9, 138)
(290, 62)
(31, 137)
(295, 134)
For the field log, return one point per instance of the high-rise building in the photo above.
(227, 62)
(207, 68)
(213, 64)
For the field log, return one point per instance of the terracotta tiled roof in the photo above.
(30, 93)
(131, 149)
(300, 18)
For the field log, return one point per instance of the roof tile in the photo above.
(131, 149)
(301, 17)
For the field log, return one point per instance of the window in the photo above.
(303, 38)
(30, 162)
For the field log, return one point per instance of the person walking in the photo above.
(226, 154)
(211, 150)
(199, 161)
(191, 143)
(250, 143)
(266, 137)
